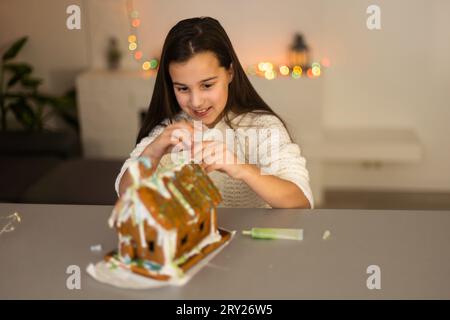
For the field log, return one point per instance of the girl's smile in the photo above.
(202, 112)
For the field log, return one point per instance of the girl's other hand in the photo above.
(214, 155)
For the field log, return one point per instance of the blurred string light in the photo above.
(270, 74)
(297, 72)
(270, 71)
(284, 70)
(133, 41)
(153, 63)
(132, 46)
(138, 55)
(136, 23)
(7, 223)
(315, 70)
(146, 65)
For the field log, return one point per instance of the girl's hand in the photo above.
(179, 132)
(214, 155)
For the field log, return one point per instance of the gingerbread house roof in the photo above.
(173, 196)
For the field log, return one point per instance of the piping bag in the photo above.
(274, 233)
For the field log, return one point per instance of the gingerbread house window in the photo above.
(151, 246)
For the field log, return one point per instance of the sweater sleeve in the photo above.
(140, 147)
(279, 156)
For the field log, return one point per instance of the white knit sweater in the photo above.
(287, 163)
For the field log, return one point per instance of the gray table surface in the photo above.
(410, 247)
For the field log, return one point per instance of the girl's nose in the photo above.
(196, 100)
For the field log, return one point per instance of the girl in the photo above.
(201, 79)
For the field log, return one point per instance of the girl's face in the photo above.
(201, 86)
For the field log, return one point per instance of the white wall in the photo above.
(396, 77)
(58, 54)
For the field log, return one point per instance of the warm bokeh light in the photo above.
(138, 55)
(132, 46)
(316, 71)
(269, 74)
(146, 65)
(262, 66)
(131, 38)
(135, 23)
(297, 69)
(271, 71)
(284, 70)
(265, 66)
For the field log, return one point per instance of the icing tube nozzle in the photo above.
(274, 233)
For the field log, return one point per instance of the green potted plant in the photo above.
(21, 97)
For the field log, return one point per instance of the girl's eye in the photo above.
(208, 85)
(182, 89)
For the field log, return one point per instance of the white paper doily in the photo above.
(124, 278)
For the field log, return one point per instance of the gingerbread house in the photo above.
(166, 220)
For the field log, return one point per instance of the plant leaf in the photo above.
(19, 70)
(14, 79)
(23, 68)
(24, 113)
(14, 49)
(31, 82)
(65, 107)
(42, 98)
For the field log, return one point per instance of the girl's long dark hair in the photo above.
(187, 38)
